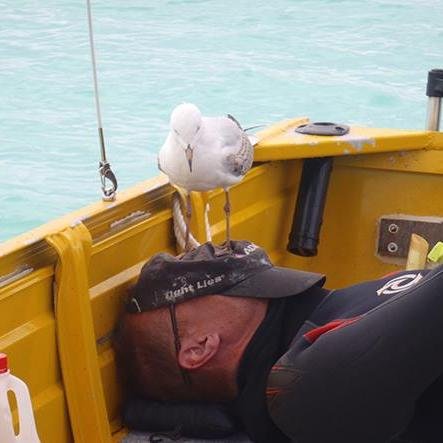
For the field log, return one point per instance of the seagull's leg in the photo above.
(188, 220)
(227, 209)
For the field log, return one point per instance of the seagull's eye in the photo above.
(198, 129)
(175, 130)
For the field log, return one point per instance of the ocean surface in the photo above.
(350, 61)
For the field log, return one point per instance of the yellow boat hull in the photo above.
(61, 285)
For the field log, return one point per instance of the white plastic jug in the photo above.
(28, 432)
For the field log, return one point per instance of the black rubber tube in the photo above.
(311, 199)
(434, 88)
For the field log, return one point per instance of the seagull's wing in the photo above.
(164, 156)
(242, 160)
(158, 164)
(159, 157)
(240, 152)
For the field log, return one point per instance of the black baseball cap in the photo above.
(242, 270)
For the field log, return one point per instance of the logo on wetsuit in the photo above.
(399, 284)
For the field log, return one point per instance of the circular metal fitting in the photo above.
(392, 247)
(323, 128)
(393, 228)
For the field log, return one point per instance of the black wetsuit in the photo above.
(359, 365)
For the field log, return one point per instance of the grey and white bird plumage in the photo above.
(203, 153)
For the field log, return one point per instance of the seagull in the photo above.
(204, 153)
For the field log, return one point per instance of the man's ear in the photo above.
(196, 351)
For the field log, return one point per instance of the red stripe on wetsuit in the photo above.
(314, 334)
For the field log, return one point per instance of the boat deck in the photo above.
(142, 437)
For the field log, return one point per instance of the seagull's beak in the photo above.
(189, 153)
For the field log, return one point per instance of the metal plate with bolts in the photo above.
(395, 233)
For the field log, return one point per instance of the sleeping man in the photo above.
(290, 360)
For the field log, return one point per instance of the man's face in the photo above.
(213, 332)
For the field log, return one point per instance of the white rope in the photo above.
(180, 224)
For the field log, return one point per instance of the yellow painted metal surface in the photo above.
(357, 198)
(282, 142)
(98, 217)
(27, 335)
(75, 336)
(385, 172)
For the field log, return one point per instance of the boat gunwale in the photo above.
(29, 251)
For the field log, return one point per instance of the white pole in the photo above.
(434, 111)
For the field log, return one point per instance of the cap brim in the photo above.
(276, 282)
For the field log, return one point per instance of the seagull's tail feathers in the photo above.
(253, 139)
(250, 128)
(234, 120)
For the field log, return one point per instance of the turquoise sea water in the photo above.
(347, 61)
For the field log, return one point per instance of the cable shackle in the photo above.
(106, 175)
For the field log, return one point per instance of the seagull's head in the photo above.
(186, 121)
